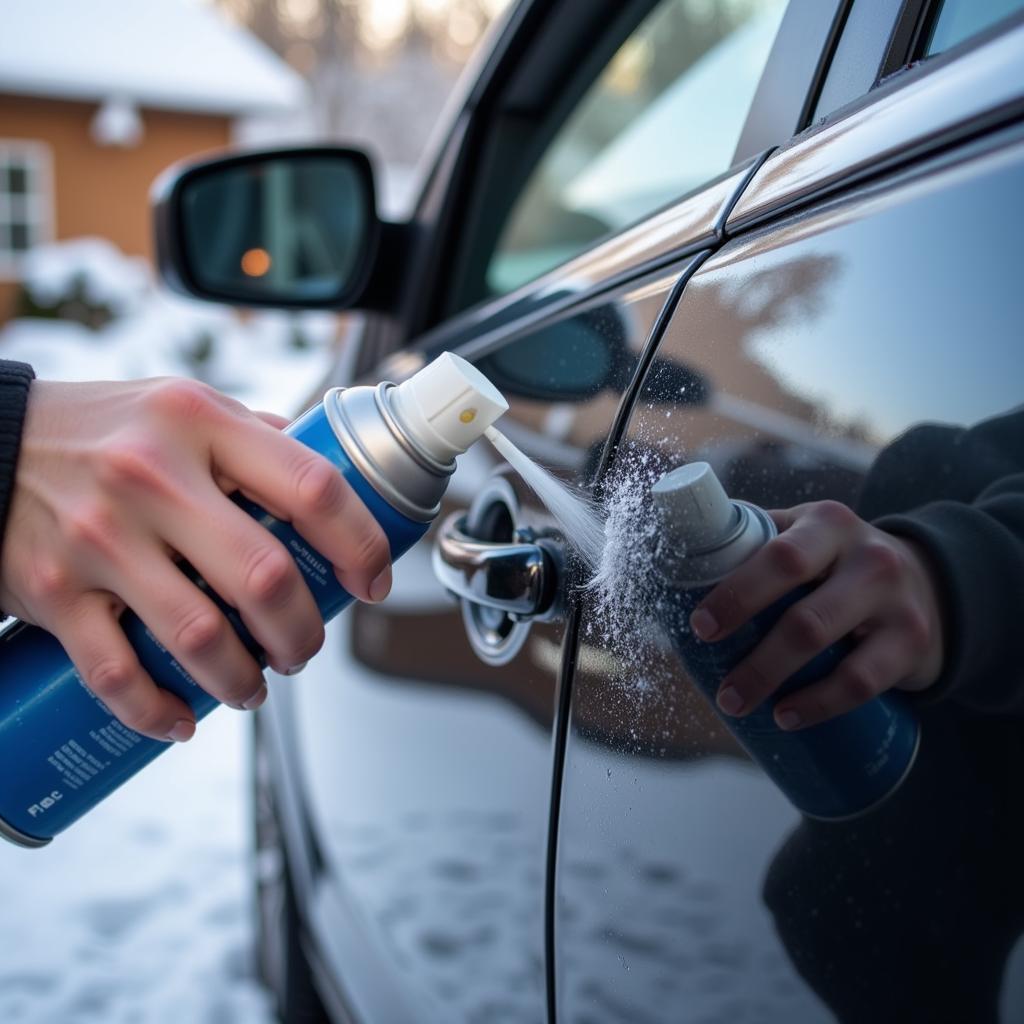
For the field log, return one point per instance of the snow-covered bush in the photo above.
(90, 312)
(88, 281)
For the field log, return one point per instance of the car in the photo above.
(779, 237)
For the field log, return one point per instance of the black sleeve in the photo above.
(15, 379)
(960, 495)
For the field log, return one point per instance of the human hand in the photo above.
(869, 583)
(115, 481)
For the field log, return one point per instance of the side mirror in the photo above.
(284, 228)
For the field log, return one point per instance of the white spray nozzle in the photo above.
(447, 406)
(694, 505)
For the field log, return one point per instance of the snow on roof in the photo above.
(174, 54)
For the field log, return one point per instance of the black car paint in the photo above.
(428, 773)
(620, 820)
(829, 342)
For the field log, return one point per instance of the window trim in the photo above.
(793, 75)
(912, 20)
(37, 157)
(859, 54)
(894, 40)
(829, 158)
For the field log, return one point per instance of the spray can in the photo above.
(62, 751)
(835, 770)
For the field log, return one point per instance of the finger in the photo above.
(194, 630)
(236, 491)
(229, 486)
(272, 418)
(870, 669)
(251, 570)
(108, 666)
(327, 512)
(798, 555)
(784, 518)
(828, 613)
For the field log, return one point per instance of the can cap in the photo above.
(447, 406)
(694, 506)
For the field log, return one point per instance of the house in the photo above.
(97, 98)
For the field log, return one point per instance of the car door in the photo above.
(424, 733)
(857, 333)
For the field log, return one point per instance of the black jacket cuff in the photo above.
(15, 379)
(977, 553)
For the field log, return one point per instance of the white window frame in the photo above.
(34, 209)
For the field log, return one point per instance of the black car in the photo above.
(778, 237)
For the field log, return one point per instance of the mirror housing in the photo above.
(285, 228)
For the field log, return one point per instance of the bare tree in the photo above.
(379, 72)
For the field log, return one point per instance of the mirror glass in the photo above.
(568, 361)
(289, 229)
(572, 360)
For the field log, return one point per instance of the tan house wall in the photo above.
(103, 190)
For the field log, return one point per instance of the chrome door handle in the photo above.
(517, 577)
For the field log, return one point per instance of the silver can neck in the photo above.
(685, 566)
(384, 396)
(391, 461)
(704, 534)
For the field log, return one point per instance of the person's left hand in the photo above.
(869, 583)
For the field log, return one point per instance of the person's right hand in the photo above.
(115, 481)
(866, 583)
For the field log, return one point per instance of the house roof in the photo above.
(173, 54)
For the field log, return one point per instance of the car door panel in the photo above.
(687, 888)
(423, 776)
(427, 774)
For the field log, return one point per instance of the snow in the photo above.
(141, 912)
(169, 54)
(155, 333)
(107, 276)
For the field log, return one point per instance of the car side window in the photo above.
(958, 20)
(663, 117)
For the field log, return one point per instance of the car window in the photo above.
(663, 117)
(958, 20)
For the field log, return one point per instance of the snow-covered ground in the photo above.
(140, 913)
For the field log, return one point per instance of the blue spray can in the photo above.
(62, 751)
(833, 771)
